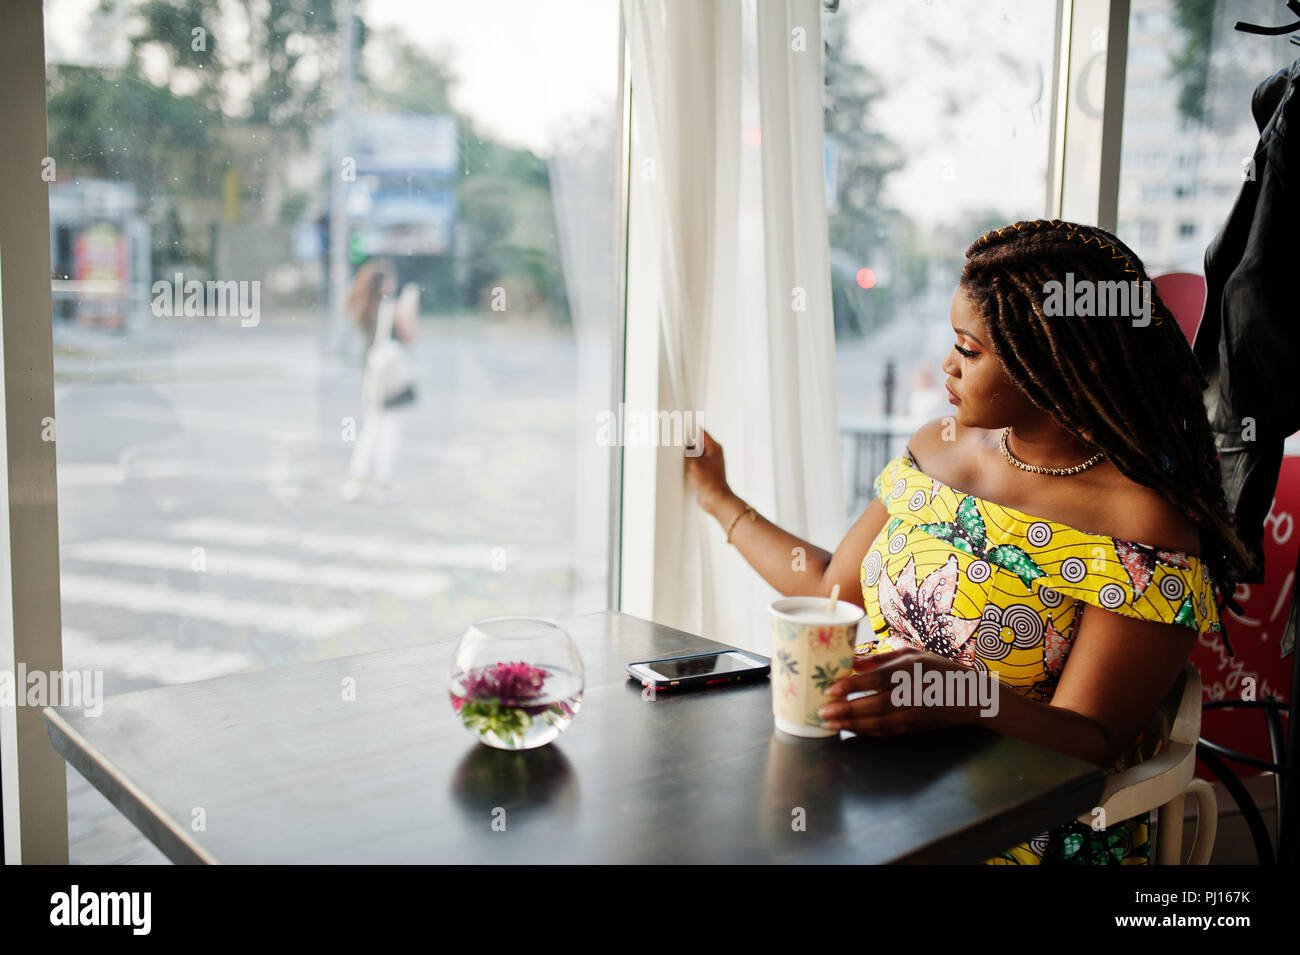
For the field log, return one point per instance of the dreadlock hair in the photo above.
(1135, 390)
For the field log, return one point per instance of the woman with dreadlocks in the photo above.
(1064, 529)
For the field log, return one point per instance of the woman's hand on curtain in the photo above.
(706, 470)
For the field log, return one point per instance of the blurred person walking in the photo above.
(388, 381)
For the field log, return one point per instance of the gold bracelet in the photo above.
(748, 509)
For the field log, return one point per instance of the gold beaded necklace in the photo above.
(1035, 469)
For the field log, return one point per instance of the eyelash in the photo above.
(965, 352)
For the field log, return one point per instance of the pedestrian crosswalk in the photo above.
(219, 530)
(212, 607)
(152, 660)
(220, 562)
(208, 595)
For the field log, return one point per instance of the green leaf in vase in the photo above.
(489, 716)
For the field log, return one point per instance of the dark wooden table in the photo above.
(277, 766)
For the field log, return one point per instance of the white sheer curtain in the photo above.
(727, 102)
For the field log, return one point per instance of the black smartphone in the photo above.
(698, 670)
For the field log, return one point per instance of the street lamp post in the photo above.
(334, 324)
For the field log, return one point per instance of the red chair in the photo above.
(1184, 293)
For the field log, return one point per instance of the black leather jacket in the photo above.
(1248, 342)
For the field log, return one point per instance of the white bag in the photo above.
(389, 374)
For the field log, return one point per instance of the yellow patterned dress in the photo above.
(1002, 591)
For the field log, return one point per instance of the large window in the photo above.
(220, 174)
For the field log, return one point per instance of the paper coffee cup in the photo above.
(812, 647)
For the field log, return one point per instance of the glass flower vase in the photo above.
(516, 682)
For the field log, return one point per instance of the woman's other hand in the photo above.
(707, 472)
(901, 678)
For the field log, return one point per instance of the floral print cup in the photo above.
(812, 647)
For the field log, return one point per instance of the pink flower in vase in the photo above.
(511, 684)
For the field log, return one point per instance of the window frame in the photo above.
(1087, 190)
(32, 775)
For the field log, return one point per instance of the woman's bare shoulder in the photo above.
(1139, 513)
(942, 448)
